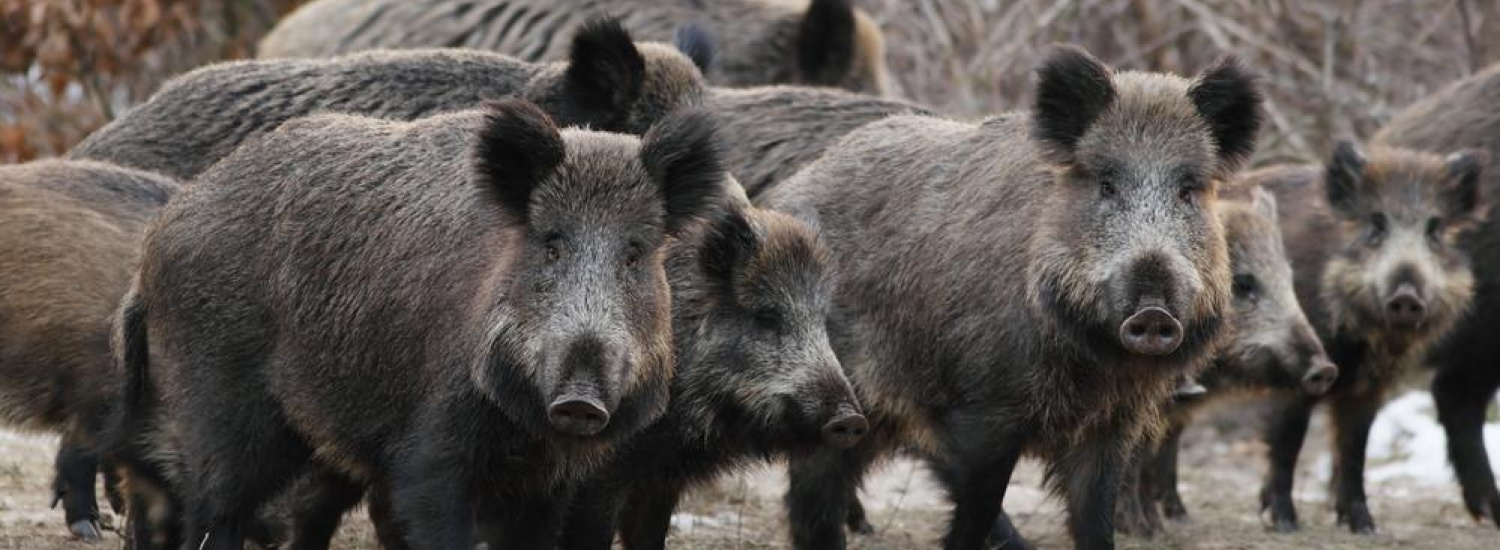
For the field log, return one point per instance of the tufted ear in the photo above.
(1343, 176)
(1229, 100)
(696, 42)
(1461, 192)
(1264, 202)
(605, 75)
(728, 242)
(518, 147)
(681, 152)
(825, 42)
(1072, 90)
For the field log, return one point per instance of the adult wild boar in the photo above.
(72, 233)
(1465, 114)
(756, 378)
(1272, 348)
(607, 82)
(469, 304)
(1373, 243)
(1031, 284)
(812, 42)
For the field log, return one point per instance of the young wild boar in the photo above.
(1466, 114)
(607, 82)
(1032, 284)
(812, 42)
(72, 233)
(756, 378)
(1372, 240)
(469, 304)
(771, 132)
(1272, 347)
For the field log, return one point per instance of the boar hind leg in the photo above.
(1463, 395)
(1284, 435)
(1161, 476)
(77, 469)
(321, 502)
(238, 455)
(387, 530)
(1353, 416)
(647, 516)
(817, 496)
(1090, 475)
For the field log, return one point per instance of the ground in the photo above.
(1414, 500)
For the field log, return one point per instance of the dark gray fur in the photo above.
(758, 41)
(200, 117)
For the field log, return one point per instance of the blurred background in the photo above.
(1333, 67)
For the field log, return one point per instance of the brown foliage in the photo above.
(67, 65)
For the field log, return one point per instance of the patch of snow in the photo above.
(1407, 444)
(693, 521)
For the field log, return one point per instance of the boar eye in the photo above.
(1377, 225)
(1107, 188)
(1188, 189)
(1434, 228)
(554, 249)
(633, 254)
(1245, 286)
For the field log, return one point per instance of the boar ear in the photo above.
(825, 42)
(605, 75)
(728, 241)
(1264, 202)
(1229, 100)
(1072, 90)
(681, 152)
(1341, 182)
(696, 42)
(518, 147)
(1464, 170)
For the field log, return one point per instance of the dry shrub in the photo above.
(67, 65)
(1332, 68)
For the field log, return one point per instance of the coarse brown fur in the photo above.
(416, 301)
(758, 42)
(1369, 232)
(983, 270)
(1466, 115)
(602, 80)
(72, 231)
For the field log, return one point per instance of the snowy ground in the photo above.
(1411, 488)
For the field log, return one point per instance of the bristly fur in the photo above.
(682, 154)
(1466, 167)
(1073, 89)
(698, 43)
(1230, 102)
(605, 70)
(727, 241)
(518, 146)
(825, 41)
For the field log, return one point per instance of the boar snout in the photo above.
(589, 388)
(1320, 376)
(1151, 331)
(1405, 308)
(846, 429)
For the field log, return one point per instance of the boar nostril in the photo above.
(1151, 331)
(581, 416)
(847, 431)
(1320, 378)
(1405, 308)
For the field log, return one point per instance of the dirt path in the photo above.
(1415, 505)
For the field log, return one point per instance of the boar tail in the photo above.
(132, 408)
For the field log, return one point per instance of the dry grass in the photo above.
(1333, 67)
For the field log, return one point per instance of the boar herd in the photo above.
(512, 277)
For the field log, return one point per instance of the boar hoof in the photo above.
(86, 530)
(1174, 509)
(1357, 517)
(1280, 514)
(1484, 506)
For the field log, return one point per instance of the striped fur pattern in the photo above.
(822, 42)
